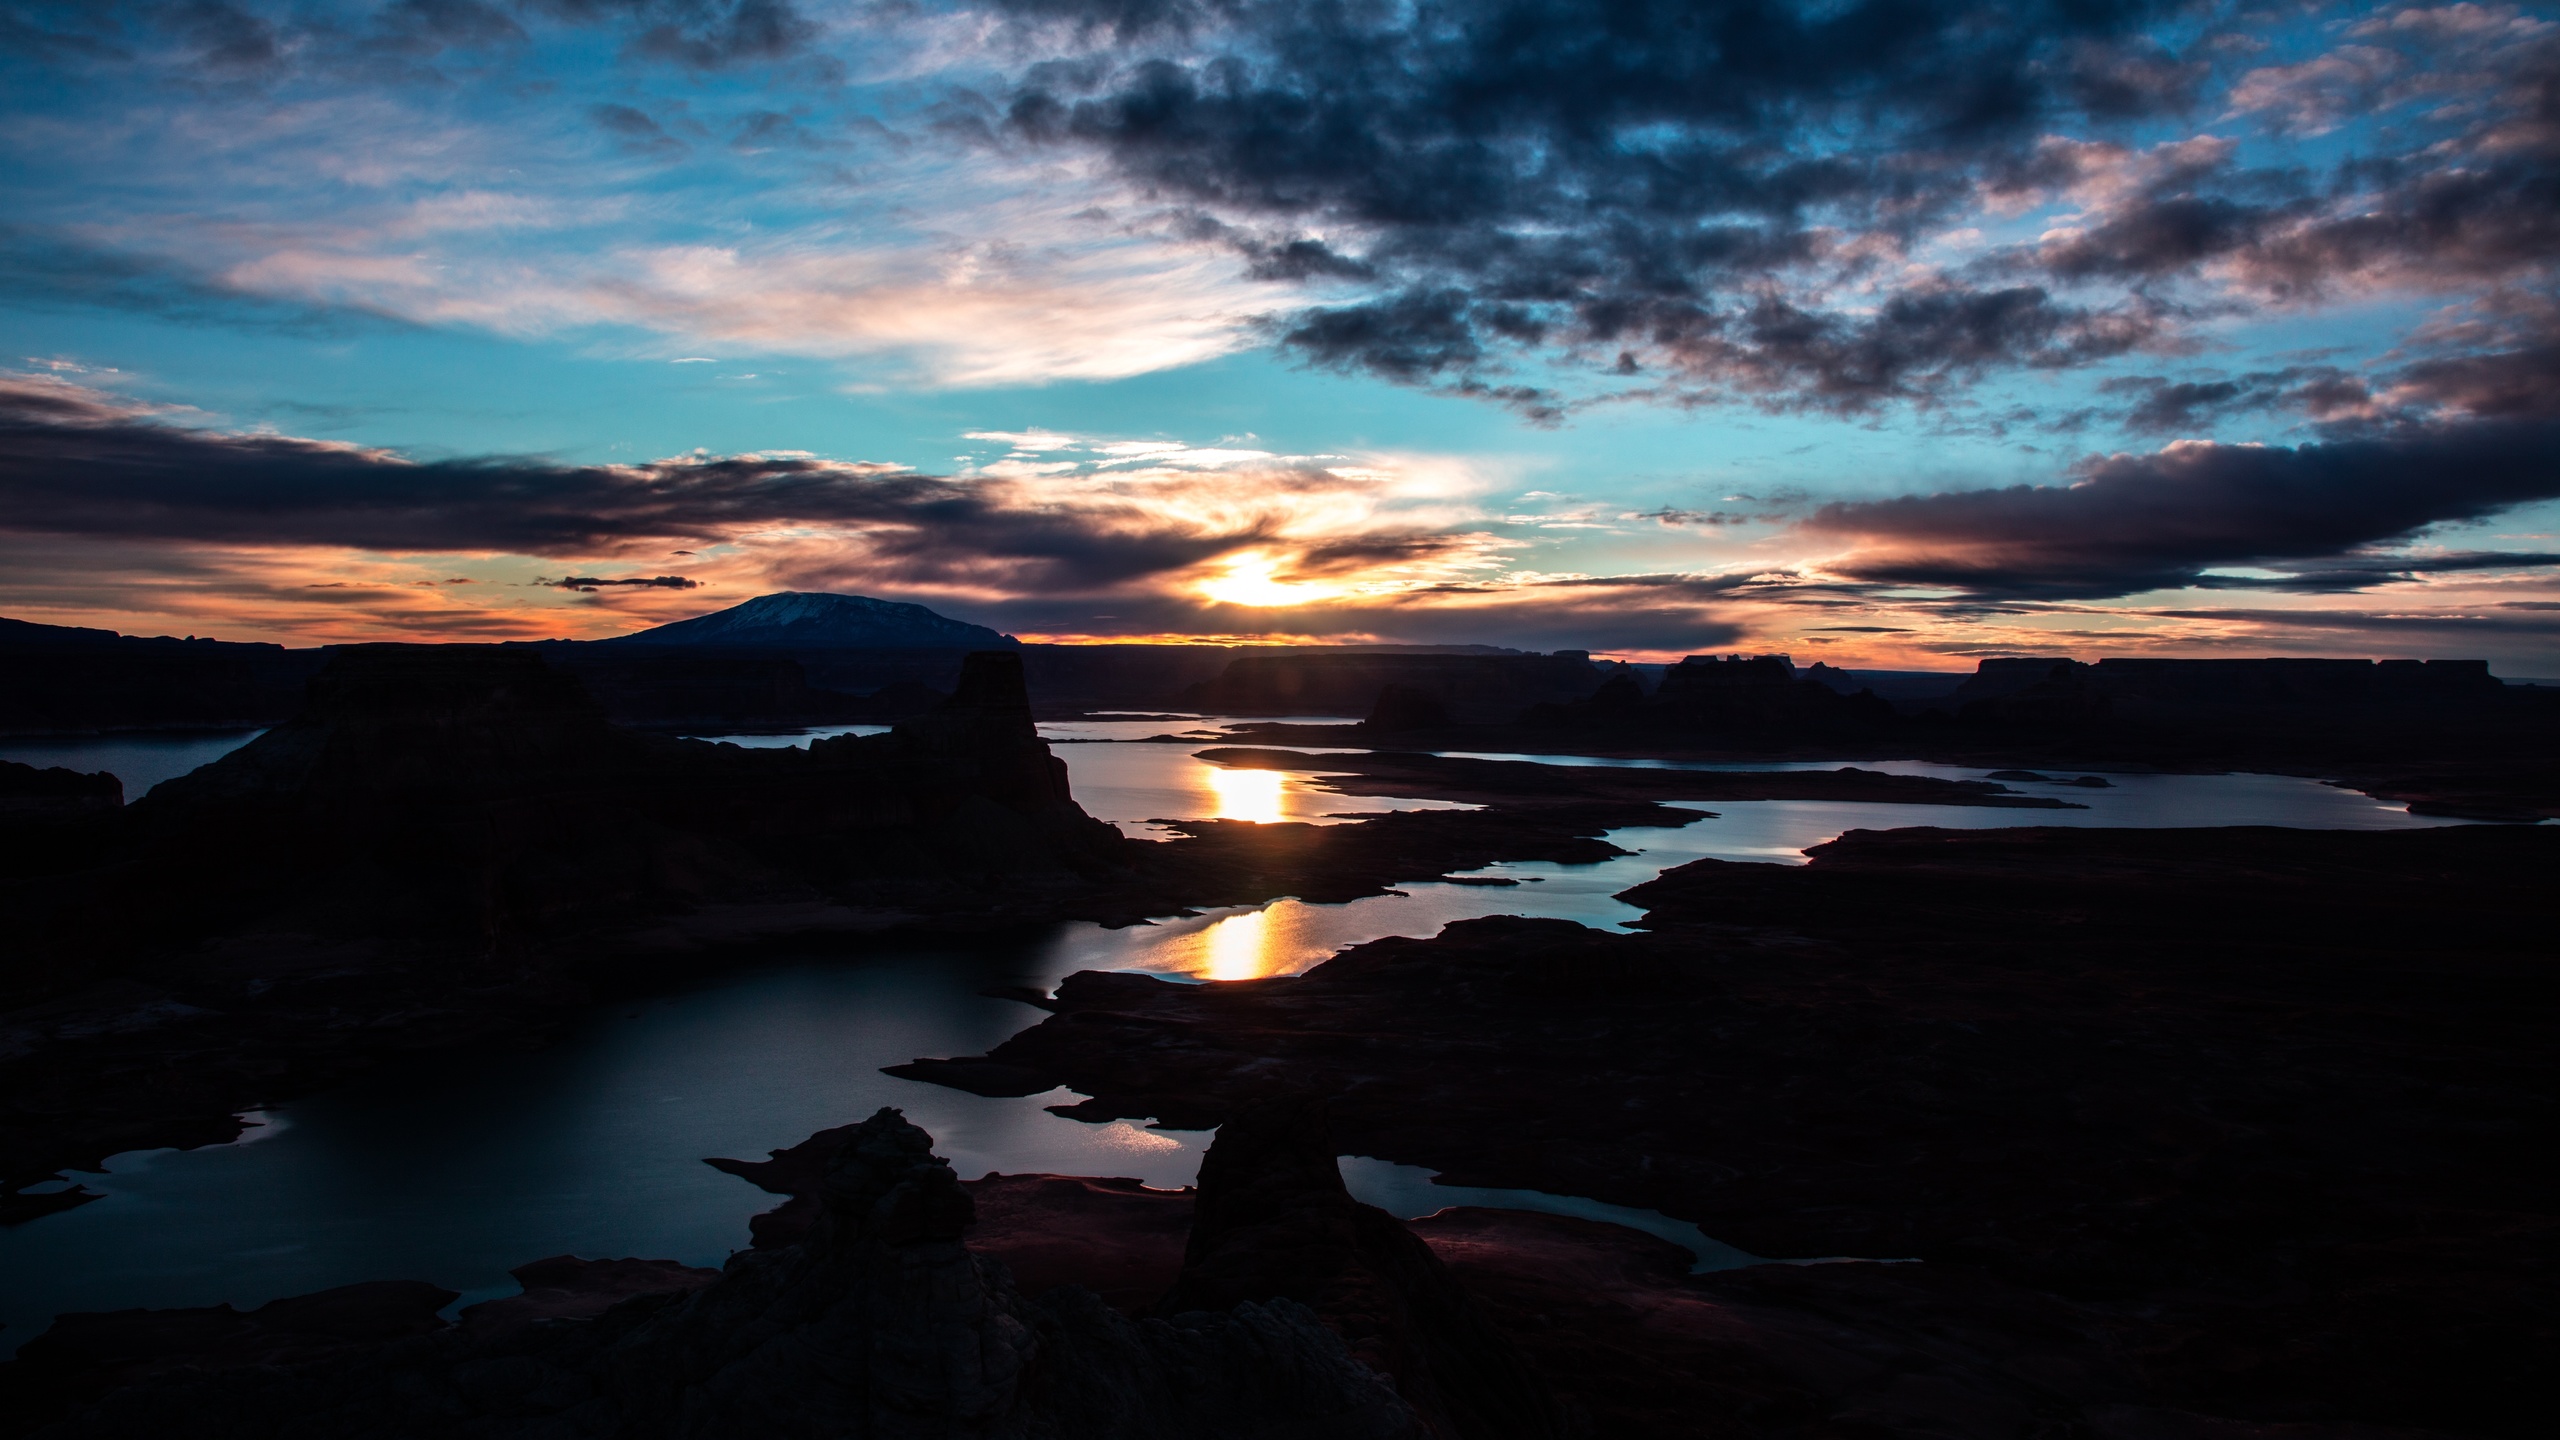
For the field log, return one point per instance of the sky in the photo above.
(1888, 333)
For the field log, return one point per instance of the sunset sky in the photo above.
(1885, 332)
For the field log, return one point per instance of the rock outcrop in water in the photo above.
(880, 1323)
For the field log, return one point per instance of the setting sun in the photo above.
(1251, 580)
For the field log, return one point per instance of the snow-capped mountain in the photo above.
(814, 619)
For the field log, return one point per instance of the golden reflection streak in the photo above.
(1238, 947)
(1246, 794)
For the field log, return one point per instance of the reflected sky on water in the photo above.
(141, 759)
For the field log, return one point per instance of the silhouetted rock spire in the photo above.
(1274, 1220)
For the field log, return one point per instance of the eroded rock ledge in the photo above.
(2262, 1103)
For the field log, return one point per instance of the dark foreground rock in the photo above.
(880, 1324)
(2268, 1107)
(450, 843)
(1270, 1219)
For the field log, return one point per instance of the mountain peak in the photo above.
(812, 619)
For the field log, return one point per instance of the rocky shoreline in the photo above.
(2270, 1138)
(2224, 1134)
(451, 847)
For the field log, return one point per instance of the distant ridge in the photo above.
(804, 619)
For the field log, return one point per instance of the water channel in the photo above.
(455, 1168)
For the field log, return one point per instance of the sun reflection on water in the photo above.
(1238, 947)
(1246, 794)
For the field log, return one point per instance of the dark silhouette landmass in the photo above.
(61, 680)
(451, 843)
(879, 1320)
(2443, 736)
(28, 791)
(2229, 1134)
(2241, 1126)
(1464, 687)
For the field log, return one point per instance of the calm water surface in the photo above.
(141, 760)
(455, 1169)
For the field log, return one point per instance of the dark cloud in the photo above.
(2512, 619)
(2506, 384)
(709, 36)
(81, 472)
(73, 462)
(697, 34)
(61, 32)
(2356, 573)
(226, 38)
(591, 584)
(221, 41)
(1669, 515)
(2139, 522)
(2464, 194)
(1723, 195)
(637, 133)
(1644, 183)
(2191, 407)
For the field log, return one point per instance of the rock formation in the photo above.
(1745, 699)
(58, 679)
(881, 1323)
(1476, 689)
(27, 792)
(2250, 1106)
(1273, 1219)
(450, 841)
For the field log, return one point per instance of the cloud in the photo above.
(1734, 201)
(74, 461)
(47, 269)
(591, 584)
(2136, 522)
(2466, 193)
(638, 134)
(1164, 538)
(706, 35)
(1649, 185)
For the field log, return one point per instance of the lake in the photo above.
(456, 1168)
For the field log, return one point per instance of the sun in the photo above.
(1251, 579)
